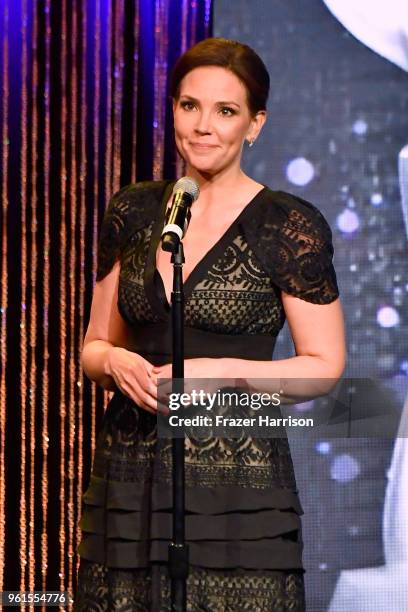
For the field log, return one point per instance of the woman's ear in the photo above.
(257, 123)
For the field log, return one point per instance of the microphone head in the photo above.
(187, 185)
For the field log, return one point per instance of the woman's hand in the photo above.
(134, 377)
(211, 370)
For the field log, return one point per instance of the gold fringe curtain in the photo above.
(83, 111)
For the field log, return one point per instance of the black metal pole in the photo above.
(178, 549)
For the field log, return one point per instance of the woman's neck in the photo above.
(226, 185)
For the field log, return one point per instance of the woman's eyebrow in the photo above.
(221, 102)
(229, 103)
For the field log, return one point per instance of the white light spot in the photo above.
(360, 127)
(404, 152)
(300, 171)
(348, 221)
(344, 468)
(354, 530)
(376, 199)
(386, 362)
(387, 316)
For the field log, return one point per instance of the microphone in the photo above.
(185, 192)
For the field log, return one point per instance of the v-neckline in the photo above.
(153, 281)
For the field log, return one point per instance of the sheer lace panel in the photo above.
(236, 295)
(131, 208)
(294, 242)
(105, 590)
(128, 448)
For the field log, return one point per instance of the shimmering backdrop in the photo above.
(338, 125)
(83, 110)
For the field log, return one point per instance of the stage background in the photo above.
(83, 110)
(338, 120)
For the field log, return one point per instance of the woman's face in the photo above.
(212, 119)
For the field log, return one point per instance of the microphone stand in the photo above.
(178, 549)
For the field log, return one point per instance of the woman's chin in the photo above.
(205, 166)
(201, 168)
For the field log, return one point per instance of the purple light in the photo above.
(344, 468)
(207, 13)
(323, 448)
(300, 171)
(304, 406)
(348, 221)
(360, 127)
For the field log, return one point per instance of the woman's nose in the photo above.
(203, 124)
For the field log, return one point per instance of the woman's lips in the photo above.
(202, 146)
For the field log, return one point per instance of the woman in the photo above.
(253, 257)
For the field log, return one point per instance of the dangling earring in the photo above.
(251, 142)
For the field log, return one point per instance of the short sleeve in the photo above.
(294, 242)
(129, 210)
(112, 234)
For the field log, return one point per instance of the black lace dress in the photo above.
(242, 507)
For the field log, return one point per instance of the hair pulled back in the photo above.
(232, 55)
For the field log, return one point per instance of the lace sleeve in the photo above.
(111, 237)
(130, 209)
(294, 242)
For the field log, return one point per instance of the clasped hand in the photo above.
(139, 379)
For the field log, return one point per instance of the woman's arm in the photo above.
(105, 359)
(318, 335)
(319, 338)
(106, 329)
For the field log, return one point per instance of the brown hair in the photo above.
(229, 54)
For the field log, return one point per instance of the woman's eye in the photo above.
(227, 111)
(187, 105)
